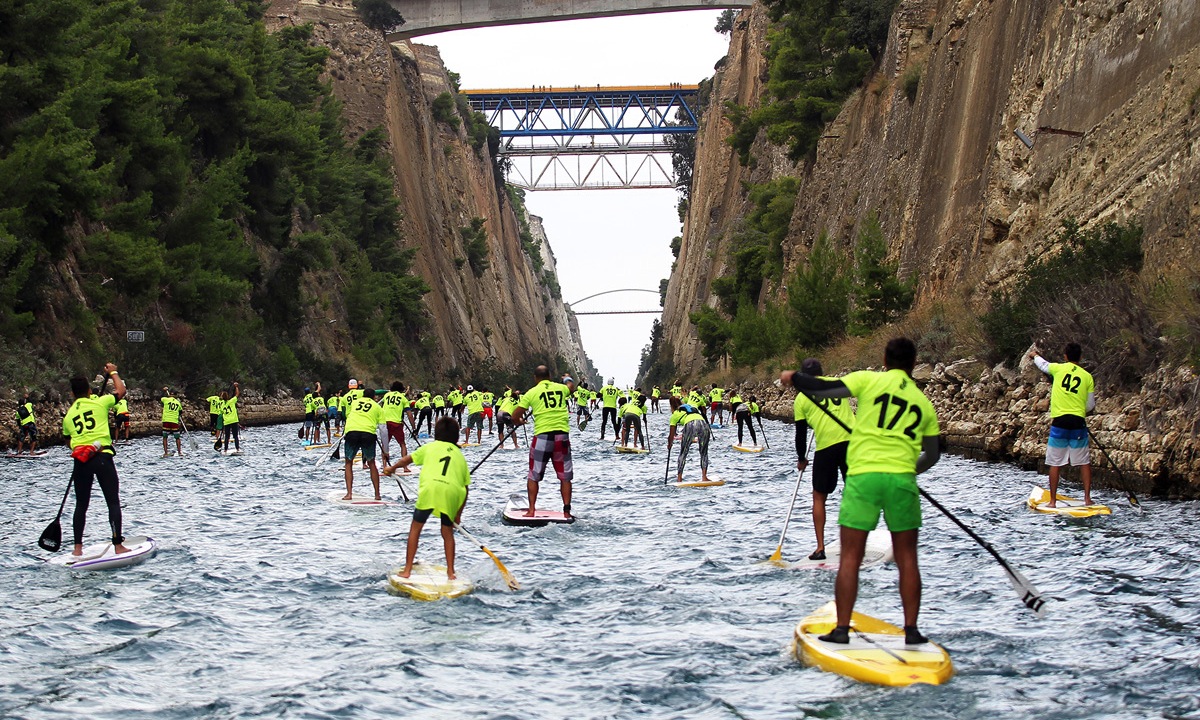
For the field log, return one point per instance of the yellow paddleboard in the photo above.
(631, 449)
(1069, 506)
(428, 582)
(875, 654)
(323, 446)
(712, 482)
(748, 448)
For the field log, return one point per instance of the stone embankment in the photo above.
(145, 412)
(1001, 415)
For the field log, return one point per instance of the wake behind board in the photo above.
(630, 450)
(337, 498)
(428, 582)
(1068, 506)
(875, 654)
(518, 504)
(748, 448)
(713, 481)
(877, 552)
(102, 556)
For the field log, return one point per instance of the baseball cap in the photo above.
(470, 388)
(353, 383)
(811, 366)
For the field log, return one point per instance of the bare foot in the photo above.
(377, 497)
(1051, 504)
(1087, 500)
(348, 496)
(530, 512)
(450, 575)
(77, 551)
(405, 572)
(119, 548)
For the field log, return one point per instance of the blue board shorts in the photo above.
(1067, 446)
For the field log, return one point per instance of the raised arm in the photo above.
(814, 386)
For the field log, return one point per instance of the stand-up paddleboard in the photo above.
(518, 504)
(748, 448)
(875, 654)
(337, 498)
(102, 556)
(40, 454)
(429, 582)
(468, 444)
(322, 446)
(1069, 506)
(877, 552)
(716, 426)
(713, 481)
(631, 449)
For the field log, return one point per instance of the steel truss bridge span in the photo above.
(589, 137)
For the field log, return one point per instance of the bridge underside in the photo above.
(425, 17)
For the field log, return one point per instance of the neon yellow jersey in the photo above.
(508, 405)
(439, 401)
(350, 397)
(29, 418)
(754, 408)
(680, 417)
(393, 405)
(308, 403)
(421, 402)
(171, 408)
(717, 394)
(547, 401)
(229, 411)
(122, 407)
(695, 398)
(893, 418)
(444, 477)
(363, 416)
(488, 399)
(676, 391)
(318, 403)
(621, 409)
(214, 404)
(654, 393)
(632, 408)
(826, 432)
(474, 400)
(86, 422)
(609, 394)
(342, 405)
(1069, 388)
(582, 395)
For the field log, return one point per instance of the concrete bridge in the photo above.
(424, 17)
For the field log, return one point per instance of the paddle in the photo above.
(191, 440)
(764, 433)
(51, 539)
(503, 440)
(667, 472)
(777, 556)
(1120, 475)
(1029, 595)
(333, 451)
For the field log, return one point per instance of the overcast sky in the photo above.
(602, 239)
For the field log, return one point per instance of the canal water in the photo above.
(266, 600)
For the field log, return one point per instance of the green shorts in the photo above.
(866, 494)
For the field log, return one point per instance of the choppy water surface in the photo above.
(265, 600)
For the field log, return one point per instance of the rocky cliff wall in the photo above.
(1109, 90)
(499, 319)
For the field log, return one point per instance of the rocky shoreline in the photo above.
(1001, 415)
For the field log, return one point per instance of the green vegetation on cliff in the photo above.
(818, 53)
(171, 166)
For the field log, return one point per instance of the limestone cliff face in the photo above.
(504, 318)
(1107, 89)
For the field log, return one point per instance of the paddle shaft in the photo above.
(764, 434)
(325, 458)
(191, 440)
(787, 521)
(1120, 475)
(1030, 597)
(54, 527)
(500, 444)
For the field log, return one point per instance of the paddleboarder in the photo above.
(86, 425)
(895, 438)
(692, 425)
(229, 418)
(363, 416)
(1072, 397)
(830, 442)
(740, 410)
(171, 407)
(442, 488)
(547, 402)
(27, 425)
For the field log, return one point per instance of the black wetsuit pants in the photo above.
(101, 468)
(748, 419)
(425, 417)
(609, 412)
(232, 429)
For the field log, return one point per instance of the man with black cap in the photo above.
(830, 441)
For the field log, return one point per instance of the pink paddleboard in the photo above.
(518, 504)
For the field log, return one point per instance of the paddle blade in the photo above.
(51, 539)
(504, 572)
(1027, 592)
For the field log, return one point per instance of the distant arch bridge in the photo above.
(425, 17)
(615, 312)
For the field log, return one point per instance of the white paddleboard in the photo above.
(337, 497)
(429, 582)
(40, 454)
(102, 556)
(518, 504)
(877, 552)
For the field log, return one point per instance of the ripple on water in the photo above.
(267, 601)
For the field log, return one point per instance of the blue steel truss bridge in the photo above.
(585, 138)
